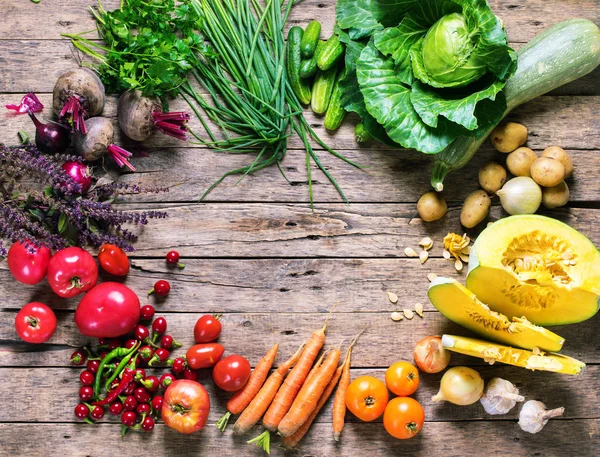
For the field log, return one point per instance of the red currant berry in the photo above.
(157, 403)
(166, 380)
(159, 325)
(82, 411)
(141, 395)
(130, 403)
(78, 358)
(92, 366)
(141, 332)
(97, 413)
(190, 374)
(130, 343)
(179, 364)
(86, 378)
(116, 408)
(147, 312)
(86, 393)
(161, 288)
(148, 424)
(143, 408)
(114, 344)
(128, 418)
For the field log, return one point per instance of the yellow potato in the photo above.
(520, 160)
(508, 136)
(431, 206)
(553, 197)
(547, 172)
(492, 177)
(476, 208)
(558, 153)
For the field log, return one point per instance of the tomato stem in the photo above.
(32, 321)
(369, 401)
(179, 409)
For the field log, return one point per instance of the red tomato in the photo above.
(72, 271)
(113, 260)
(403, 417)
(231, 373)
(185, 406)
(366, 398)
(204, 355)
(207, 329)
(28, 264)
(402, 378)
(35, 323)
(109, 310)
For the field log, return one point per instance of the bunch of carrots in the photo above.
(289, 402)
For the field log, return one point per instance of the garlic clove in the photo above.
(500, 396)
(534, 416)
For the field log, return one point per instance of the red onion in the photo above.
(79, 173)
(51, 138)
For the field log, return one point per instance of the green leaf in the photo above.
(356, 17)
(391, 12)
(63, 222)
(388, 100)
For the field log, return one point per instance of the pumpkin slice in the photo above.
(537, 267)
(460, 305)
(493, 352)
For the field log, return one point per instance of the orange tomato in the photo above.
(366, 398)
(402, 378)
(185, 406)
(403, 417)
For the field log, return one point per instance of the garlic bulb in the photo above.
(500, 396)
(520, 195)
(534, 416)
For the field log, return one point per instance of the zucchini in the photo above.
(300, 86)
(321, 90)
(309, 41)
(335, 111)
(330, 54)
(557, 56)
(309, 67)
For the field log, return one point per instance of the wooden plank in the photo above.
(252, 334)
(523, 20)
(500, 439)
(57, 389)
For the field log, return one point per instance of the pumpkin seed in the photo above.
(431, 276)
(446, 254)
(397, 316)
(419, 309)
(408, 313)
(423, 256)
(458, 265)
(426, 243)
(393, 297)
(464, 257)
(410, 252)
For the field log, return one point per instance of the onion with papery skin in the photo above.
(80, 173)
(461, 386)
(430, 355)
(520, 195)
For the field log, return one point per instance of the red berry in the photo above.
(128, 418)
(103, 354)
(159, 325)
(172, 257)
(162, 354)
(130, 403)
(147, 312)
(161, 288)
(102, 341)
(157, 402)
(190, 374)
(116, 408)
(81, 411)
(143, 408)
(130, 343)
(151, 383)
(130, 388)
(140, 374)
(141, 332)
(148, 424)
(93, 365)
(166, 342)
(78, 358)
(114, 344)
(166, 380)
(97, 413)
(86, 378)
(141, 395)
(179, 365)
(146, 353)
(86, 393)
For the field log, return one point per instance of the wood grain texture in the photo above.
(58, 392)
(253, 334)
(498, 438)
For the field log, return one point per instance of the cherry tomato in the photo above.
(231, 373)
(403, 417)
(161, 288)
(147, 312)
(82, 411)
(128, 418)
(72, 271)
(207, 329)
(110, 309)
(157, 403)
(28, 265)
(402, 378)
(159, 325)
(366, 398)
(173, 259)
(116, 408)
(97, 413)
(113, 260)
(185, 406)
(204, 355)
(148, 424)
(166, 380)
(35, 323)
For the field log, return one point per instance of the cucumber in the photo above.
(321, 90)
(309, 41)
(330, 54)
(335, 112)
(557, 56)
(309, 67)
(300, 86)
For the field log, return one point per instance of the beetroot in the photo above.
(78, 94)
(139, 117)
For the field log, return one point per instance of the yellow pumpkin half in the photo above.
(537, 267)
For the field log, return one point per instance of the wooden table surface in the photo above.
(256, 253)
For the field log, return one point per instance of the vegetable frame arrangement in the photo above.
(438, 76)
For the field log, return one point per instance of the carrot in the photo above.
(242, 398)
(288, 391)
(308, 396)
(291, 441)
(259, 404)
(339, 401)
